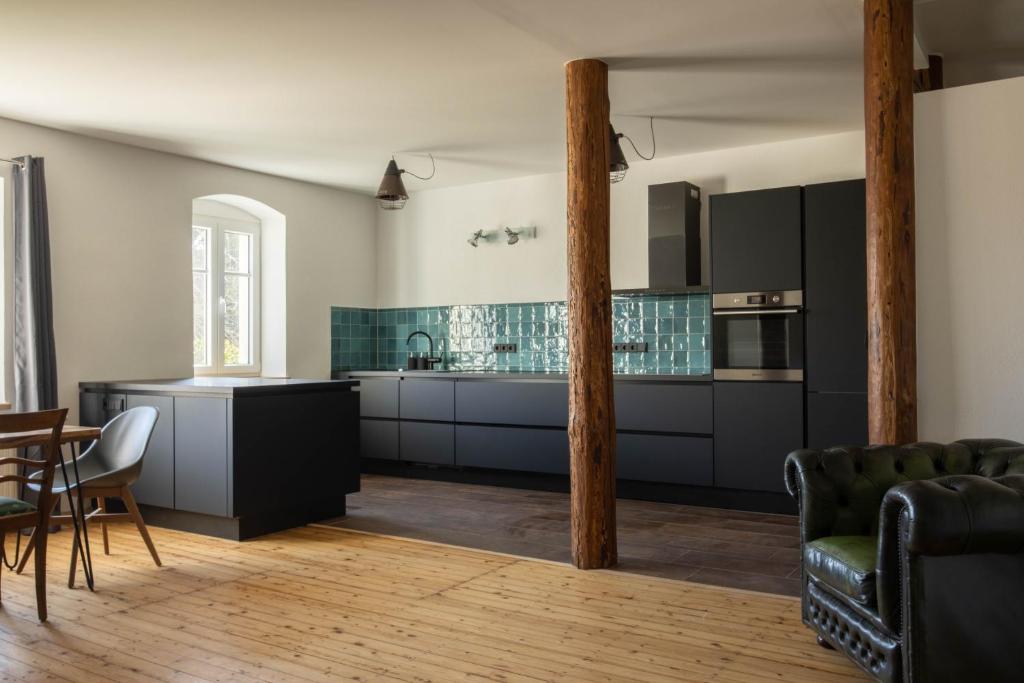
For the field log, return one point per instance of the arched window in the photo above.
(225, 291)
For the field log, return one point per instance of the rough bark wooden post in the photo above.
(591, 408)
(889, 137)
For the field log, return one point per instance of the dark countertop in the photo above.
(227, 387)
(516, 375)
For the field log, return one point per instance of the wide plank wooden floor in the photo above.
(322, 604)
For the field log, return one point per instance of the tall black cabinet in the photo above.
(756, 241)
(835, 299)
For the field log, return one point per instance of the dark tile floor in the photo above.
(708, 545)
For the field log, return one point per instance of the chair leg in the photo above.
(133, 510)
(73, 569)
(40, 552)
(32, 542)
(101, 505)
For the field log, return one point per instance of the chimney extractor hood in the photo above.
(673, 240)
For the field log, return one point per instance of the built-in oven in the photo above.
(758, 336)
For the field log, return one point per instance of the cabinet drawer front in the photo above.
(427, 442)
(378, 397)
(757, 424)
(201, 455)
(544, 404)
(379, 439)
(668, 459)
(680, 408)
(511, 448)
(155, 485)
(427, 399)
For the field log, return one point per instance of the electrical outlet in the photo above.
(506, 348)
(629, 347)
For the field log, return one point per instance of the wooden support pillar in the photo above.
(889, 137)
(591, 408)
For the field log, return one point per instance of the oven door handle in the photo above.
(756, 311)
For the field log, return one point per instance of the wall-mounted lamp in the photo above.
(522, 233)
(617, 165)
(474, 241)
(391, 194)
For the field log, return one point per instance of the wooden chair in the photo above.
(24, 430)
(107, 468)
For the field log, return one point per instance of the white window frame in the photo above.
(215, 294)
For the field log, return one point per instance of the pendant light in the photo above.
(617, 165)
(392, 195)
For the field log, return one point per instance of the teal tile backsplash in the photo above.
(675, 327)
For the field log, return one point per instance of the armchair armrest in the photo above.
(954, 515)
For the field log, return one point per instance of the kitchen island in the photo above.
(239, 457)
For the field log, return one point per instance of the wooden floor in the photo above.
(321, 604)
(721, 547)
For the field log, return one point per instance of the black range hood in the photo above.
(673, 241)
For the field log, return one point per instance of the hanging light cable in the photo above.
(392, 195)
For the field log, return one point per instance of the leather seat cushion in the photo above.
(846, 564)
(13, 506)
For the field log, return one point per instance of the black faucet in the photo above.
(431, 360)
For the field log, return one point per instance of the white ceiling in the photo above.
(327, 90)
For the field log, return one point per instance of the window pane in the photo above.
(200, 247)
(200, 322)
(237, 249)
(237, 320)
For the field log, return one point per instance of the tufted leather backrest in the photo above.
(840, 490)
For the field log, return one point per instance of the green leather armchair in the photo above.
(913, 557)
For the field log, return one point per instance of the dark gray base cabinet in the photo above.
(201, 462)
(520, 426)
(512, 448)
(379, 439)
(156, 483)
(757, 424)
(835, 419)
(427, 442)
(668, 459)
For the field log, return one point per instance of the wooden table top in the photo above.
(70, 434)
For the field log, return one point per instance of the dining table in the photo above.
(72, 436)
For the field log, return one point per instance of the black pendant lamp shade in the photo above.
(391, 194)
(617, 165)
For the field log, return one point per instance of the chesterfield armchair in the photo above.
(913, 557)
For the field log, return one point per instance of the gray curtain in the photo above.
(35, 356)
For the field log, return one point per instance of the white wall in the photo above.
(970, 261)
(120, 237)
(423, 258)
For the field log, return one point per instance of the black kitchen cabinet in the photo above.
(662, 458)
(835, 296)
(671, 407)
(836, 313)
(835, 419)
(155, 485)
(427, 442)
(95, 409)
(201, 450)
(512, 448)
(757, 424)
(378, 397)
(756, 241)
(379, 439)
(426, 399)
(535, 403)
